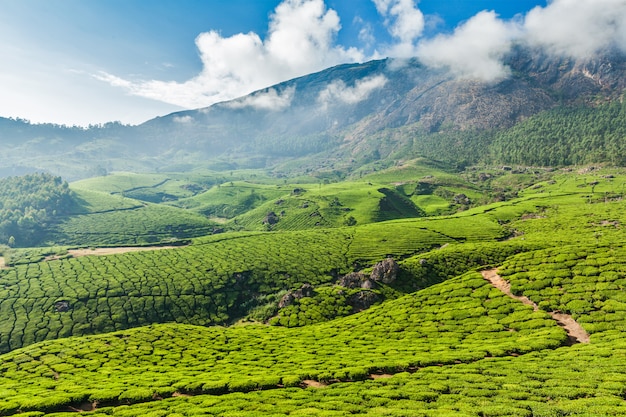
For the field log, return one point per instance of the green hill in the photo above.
(183, 331)
(213, 281)
(462, 320)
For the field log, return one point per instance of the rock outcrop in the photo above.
(385, 271)
(363, 300)
(305, 291)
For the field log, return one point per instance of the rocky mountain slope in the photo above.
(339, 108)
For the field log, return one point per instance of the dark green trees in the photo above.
(27, 204)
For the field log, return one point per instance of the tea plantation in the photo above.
(201, 329)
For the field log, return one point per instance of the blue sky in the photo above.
(93, 61)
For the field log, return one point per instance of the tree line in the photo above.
(28, 203)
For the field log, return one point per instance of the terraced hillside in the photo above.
(127, 334)
(212, 281)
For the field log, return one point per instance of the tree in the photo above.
(350, 221)
(11, 242)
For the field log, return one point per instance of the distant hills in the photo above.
(350, 116)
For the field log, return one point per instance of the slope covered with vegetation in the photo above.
(212, 281)
(28, 204)
(127, 334)
(460, 347)
(419, 111)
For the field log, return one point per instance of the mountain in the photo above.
(347, 115)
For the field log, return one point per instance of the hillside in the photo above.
(350, 116)
(376, 239)
(440, 340)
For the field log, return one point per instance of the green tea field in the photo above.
(513, 308)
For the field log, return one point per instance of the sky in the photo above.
(81, 62)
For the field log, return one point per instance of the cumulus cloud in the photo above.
(265, 100)
(577, 28)
(300, 40)
(474, 50)
(573, 28)
(302, 36)
(405, 23)
(338, 91)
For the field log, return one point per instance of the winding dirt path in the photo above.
(574, 330)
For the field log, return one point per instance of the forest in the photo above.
(563, 136)
(28, 204)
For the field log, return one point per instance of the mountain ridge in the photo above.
(333, 113)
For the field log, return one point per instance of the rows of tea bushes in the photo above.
(415, 273)
(100, 219)
(327, 303)
(587, 282)
(141, 225)
(330, 205)
(206, 283)
(584, 380)
(18, 256)
(462, 320)
(291, 213)
(430, 268)
(213, 281)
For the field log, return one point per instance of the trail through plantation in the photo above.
(76, 253)
(114, 251)
(2, 263)
(575, 331)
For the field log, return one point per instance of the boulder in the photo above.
(363, 300)
(286, 300)
(61, 306)
(271, 218)
(305, 291)
(368, 284)
(385, 271)
(352, 280)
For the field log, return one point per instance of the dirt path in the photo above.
(2, 263)
(574, 330)
(114, 251)
(310, 383)
(76, 253)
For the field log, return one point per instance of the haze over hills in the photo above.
(334, 119)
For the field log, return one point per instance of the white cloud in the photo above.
(577, 28)
(574, 28)
(300, 40)
(265, 100)
(474, 50)
(183, 119)
(405, 23)
(339, 91)
(302, 35)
